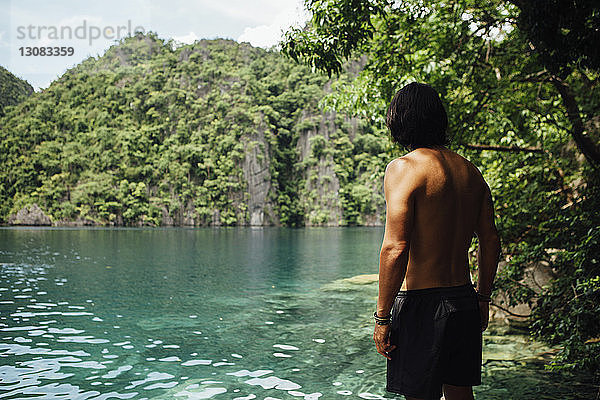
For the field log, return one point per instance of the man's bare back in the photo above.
(429, 318)
(448, 197)
(436, 200)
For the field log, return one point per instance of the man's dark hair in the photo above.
(417, 118)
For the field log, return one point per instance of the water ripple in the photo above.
(154, 325)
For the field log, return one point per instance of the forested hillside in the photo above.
(213, 133)
(12, 89)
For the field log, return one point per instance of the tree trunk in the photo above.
(589, 149)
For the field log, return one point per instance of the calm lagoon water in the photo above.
(223, 313)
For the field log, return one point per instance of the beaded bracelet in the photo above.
(382, 320)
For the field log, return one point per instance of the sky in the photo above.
(91, 27)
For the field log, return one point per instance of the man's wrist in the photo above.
(483, 297)
(382, 320)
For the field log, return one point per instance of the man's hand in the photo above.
(381, 336)
(484, 310)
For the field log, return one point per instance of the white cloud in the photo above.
(257, 11)
(3, 42)
(259, 22)
(262, 36)
(267, 35)
(187, 39)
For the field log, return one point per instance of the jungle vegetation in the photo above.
(153, 133)
(12, 89)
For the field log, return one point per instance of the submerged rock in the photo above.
(354, 283)
(362, 279)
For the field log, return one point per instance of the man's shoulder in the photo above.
(472, 167)
(403, 173)
(414, 162)
(398, 162)
(401, 166)
(420, 165)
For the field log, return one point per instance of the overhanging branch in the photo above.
(513, 149)
(506, 310)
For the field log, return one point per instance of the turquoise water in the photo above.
(224, 313)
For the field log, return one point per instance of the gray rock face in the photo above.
(185, 215)
(256, 166)
(30, 215)
(536, 276)
(322, 200)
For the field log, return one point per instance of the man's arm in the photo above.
(488, 252)
(399, 185)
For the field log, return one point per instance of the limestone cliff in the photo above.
(213, 133)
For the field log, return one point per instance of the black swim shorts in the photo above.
(437, 332)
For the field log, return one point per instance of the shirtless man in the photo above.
(429, 318)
